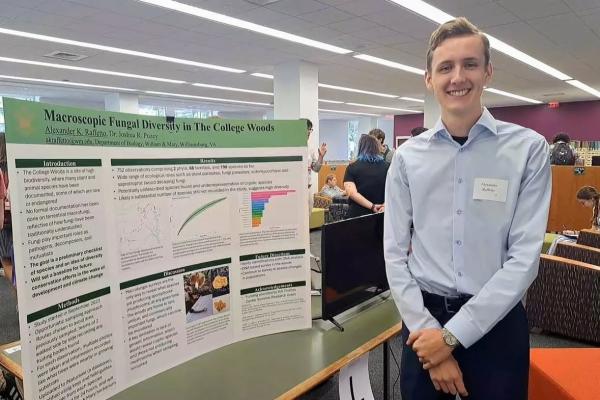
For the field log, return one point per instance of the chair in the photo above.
(320, 201)
(578, 252)
(589, 237)
(565, 298)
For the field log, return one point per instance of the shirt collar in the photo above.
(485, 121)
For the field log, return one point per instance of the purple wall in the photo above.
(581, 120)
(404, 123)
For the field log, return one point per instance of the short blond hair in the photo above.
(329, 178)
(456, 28)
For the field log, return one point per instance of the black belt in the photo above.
(450, 304)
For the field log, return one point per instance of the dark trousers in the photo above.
(496, 367)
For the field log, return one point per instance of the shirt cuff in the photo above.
(463, 329)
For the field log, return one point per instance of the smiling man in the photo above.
(477, 191)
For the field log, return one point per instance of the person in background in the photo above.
(386, 152)
(315, 160)
(331, 189)
(6, 238)
(588, 196)
(478, 192)
(417, 131)
(364, 180)
(315, 157)
(562, 152)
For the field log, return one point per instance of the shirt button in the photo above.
(461, 149)
(459, 273)
(459, 212)
(459, 243)
(460, 180)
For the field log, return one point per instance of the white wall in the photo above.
(334, 132)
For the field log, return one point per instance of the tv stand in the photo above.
(337, 324)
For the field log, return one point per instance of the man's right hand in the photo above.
(447, 377)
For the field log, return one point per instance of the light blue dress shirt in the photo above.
(461, 245)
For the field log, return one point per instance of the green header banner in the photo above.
(191, 161)
(57, 163)
(268, 288)
(176, 271)
(38, 123)
(272, 254)
(66, 304)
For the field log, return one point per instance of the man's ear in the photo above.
(489, 71)
(427, 78)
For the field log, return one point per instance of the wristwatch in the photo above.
(449, 338)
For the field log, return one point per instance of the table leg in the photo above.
(386, 371)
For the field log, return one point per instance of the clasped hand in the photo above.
(436, 356)
(429, 346)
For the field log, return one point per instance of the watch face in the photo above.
(450, 339)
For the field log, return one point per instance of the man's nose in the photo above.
(458, 75)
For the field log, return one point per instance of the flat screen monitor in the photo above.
(353, 267)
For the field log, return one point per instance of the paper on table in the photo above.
(354, 383)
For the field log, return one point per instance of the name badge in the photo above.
(490, 189)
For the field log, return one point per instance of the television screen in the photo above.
(352, 263)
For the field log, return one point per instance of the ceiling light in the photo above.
(204, 85)
(189, 96)
(426, 10)
(259, 75)
(412, 99)
(331, 101)
(384, 108)
(584, 87)
(347, 89)
(239, 23)
(347, 112)
(20, 78)
(525, 58)
(118, 50)
(96, 71)
(436, 15)
(514, 96)
(390, 64)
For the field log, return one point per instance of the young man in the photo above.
(386, 152)
(477, 191)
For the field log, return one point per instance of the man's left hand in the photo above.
(429, 346)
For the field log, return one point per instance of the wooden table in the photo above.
(10, 358)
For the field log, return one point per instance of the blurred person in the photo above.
(562, 152)
(416, 131)
(364, 180)
(588, 196)
(331, 189)
(386, 152)
(6, 239)
(315, 157)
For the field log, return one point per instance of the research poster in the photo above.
(142, 242)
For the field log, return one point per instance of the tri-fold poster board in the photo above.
(142, 242)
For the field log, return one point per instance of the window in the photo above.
(28, 98)
(153, 111)
(353, 138)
